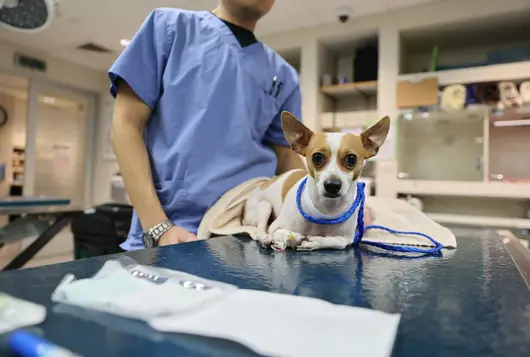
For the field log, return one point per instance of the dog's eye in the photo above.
(318, 159)
(350, 160)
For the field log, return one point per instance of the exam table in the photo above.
(41, 217)
(472, 301)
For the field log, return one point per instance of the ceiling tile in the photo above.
(394, 4)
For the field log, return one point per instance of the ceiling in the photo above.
(106, 22)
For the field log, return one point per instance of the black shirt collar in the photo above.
(244, 36)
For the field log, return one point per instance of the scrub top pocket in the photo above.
(267, 107)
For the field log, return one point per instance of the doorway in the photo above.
(59, 143)
(46, 140)
(13, 119)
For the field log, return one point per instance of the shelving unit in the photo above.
(460, 164)
(501, 176)
(345, 90)
(499, 222)
(349, 105)
(470, 166)
(19, 157)
(512, 190)
(516, 72)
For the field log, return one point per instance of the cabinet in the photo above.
(441, 146)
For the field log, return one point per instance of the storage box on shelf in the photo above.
(349, 85)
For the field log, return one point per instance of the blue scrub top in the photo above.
(213, 113)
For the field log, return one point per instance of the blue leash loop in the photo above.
(359, 232)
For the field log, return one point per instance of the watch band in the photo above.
(153, 234)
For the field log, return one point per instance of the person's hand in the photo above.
(177, 235)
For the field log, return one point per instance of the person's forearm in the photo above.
(131, 154)
(291, 162)
(288, 160)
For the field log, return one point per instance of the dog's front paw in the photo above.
(280, 239)
(283, 239)
(308, 244)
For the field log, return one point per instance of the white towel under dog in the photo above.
(225, 218)
(402, 216)
(270, 324)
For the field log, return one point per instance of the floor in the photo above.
(60, 249)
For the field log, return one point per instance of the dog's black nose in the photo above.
(332, 186)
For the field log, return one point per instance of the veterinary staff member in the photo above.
(197, 112)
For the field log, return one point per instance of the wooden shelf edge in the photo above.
(489, 221)
(349, 87)
(514, 71)
(492, 189)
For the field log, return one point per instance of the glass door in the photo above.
(441, 146)
(59, 150)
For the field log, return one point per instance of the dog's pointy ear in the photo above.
(296, 133)
(374, 137)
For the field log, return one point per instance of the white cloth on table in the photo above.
(268, 323)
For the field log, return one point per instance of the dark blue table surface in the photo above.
(470, 302)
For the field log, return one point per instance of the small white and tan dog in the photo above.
(334, 162)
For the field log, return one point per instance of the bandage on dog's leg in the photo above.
(283, 239)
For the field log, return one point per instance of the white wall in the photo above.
(19, 123)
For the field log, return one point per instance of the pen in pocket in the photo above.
(274, 80)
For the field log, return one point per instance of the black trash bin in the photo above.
(101, 231)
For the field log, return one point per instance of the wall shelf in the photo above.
(350, 119)
(497, 222)
(349, 89)
(516, 71)
(512, 190)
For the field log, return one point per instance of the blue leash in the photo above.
(359, 232)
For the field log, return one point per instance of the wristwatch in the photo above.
(151, 236)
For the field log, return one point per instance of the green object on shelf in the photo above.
(434, 59)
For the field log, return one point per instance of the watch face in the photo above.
(3, 116)
(147, 240)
